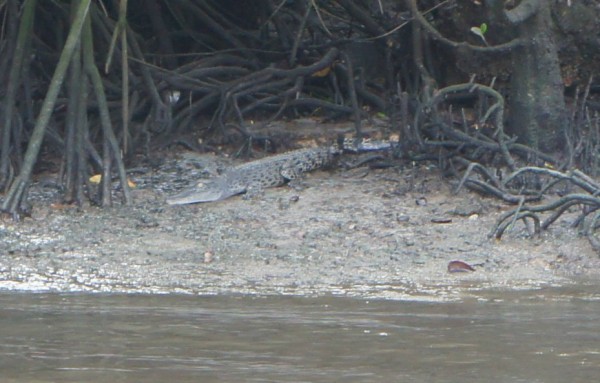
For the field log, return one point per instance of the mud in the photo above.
(387, 233)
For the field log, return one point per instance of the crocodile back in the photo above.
(276, 170)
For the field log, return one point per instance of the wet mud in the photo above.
(388, 233)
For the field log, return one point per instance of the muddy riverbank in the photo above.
(362, 232)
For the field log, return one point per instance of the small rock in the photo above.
(402, 218)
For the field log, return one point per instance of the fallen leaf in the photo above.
(459, 267)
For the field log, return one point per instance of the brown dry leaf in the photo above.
(459, 267)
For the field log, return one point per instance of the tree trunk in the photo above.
(537, 105)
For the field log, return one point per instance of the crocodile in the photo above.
(273, 171)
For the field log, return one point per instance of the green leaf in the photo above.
(479, 31)
(483, 28)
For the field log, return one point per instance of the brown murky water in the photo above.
(541, 336)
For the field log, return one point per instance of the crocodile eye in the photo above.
(200, 184)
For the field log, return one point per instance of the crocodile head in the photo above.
(202, 191)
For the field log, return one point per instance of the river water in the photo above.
(530, 336)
